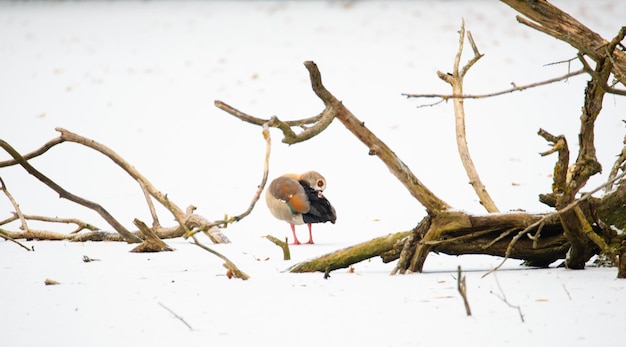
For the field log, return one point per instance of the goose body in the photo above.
(297, 199)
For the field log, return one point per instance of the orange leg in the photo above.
(295, 238)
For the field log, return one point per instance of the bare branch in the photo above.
(599, 79)
(69, 196)
(455, 79)
(16, 206)
(515, 88)
(210, 228)
(320, 122)
(335, 109)
(146, 194)
(80, 225)
(376, 146)
(136, 175)
(259, 121)
(502, 297)
(176, 315)
(619, 165)
(548, 216)
(151, 242)
(284, 245)
(559, 144)
(549, 19)
(233, 270)
(4, 235)
(462, 288)
(35, 153)
(266, 168)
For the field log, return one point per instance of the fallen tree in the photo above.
(579, 228)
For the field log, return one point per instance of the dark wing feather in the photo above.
(321, 210)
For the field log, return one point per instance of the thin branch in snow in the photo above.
(4, 189)
(462, 288)
(4, 235)
(502, 297)
(567, 292)
(233, 270)
(284, 245)
(176, 315)
(18, 212)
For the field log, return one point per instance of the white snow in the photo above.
(141, 78)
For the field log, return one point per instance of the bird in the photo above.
(297, 199)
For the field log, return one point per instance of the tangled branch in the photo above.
(193, 221)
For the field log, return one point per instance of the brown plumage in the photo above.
(298, 199)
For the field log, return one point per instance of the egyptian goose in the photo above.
(298, 199)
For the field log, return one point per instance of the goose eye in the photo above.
(320, 183)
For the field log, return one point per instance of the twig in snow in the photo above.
(152, 242)
(4, 235)
(233, 270)
(460, 282)
(284, 245)
(567, 292)
(19, 213)
(502, 297)
(176, 315)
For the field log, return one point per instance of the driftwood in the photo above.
(462, 288)
(67, 195)
(192, 221)
(151, 242)
(351, 255)
(578, 226)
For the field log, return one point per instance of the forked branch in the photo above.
(455, 79)
(335, 109)
(547, 18)
(192, 221)
(130, 237)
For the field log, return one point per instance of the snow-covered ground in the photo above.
(141, 77)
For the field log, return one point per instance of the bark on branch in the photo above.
(130, 237)
(455, 79)
(549, 19)
(335, 109)
(192, 221)
(376, 146)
